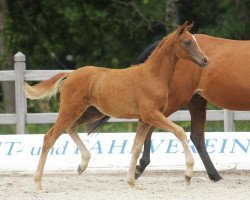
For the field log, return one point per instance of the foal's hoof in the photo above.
(188, 179)
(38, 183)
(137, 173)
(39, 186)
(80, 170)
(131, 183)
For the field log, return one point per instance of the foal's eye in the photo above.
(188, 43)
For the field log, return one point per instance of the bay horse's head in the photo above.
(187, 46)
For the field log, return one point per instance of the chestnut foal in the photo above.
(139, 92)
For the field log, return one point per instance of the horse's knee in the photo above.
(180, 130)
(180, 133)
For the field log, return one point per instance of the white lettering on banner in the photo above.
(113, 151)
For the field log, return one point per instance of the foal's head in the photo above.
(186, 46)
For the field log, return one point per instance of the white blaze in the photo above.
(194, 39)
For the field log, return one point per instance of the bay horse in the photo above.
(225, 83)
(137, 92)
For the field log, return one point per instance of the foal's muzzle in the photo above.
(203, 62)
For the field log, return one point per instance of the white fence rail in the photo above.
(21, 117)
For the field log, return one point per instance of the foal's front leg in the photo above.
(141, 133)
(157, 119)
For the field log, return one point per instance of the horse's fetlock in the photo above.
(190, 162)
(37, 178)
(87, 156)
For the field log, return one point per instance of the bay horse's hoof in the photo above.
(137, 172)
(131, 183)
(188, 179)
(215, 177)
(80, 170)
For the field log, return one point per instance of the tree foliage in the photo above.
(224, 18)
(72, 33)
(68, 34)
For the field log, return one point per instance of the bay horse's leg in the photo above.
(157, 119)
(67, 115)
(197, 109)
(141, 133)
(84, 151)
(145, 159)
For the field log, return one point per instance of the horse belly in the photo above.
(117, 104)
(120, 111)
(228, 89)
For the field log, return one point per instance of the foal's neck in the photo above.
(163, 60)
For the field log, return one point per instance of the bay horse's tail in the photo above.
(45, 89)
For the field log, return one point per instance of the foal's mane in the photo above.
(158, 51)
(165, 47)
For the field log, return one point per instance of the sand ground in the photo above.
(112, 185)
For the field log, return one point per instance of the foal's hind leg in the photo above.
(90, 115)
(141, 133)
(84, 151)
(67, 115)
(157, 119)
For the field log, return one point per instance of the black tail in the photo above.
(97, 125)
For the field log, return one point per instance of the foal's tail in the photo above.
(45, 89)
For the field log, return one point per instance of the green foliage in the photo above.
(38, 128)
(69, 34)
(7, 129)
(225, 18)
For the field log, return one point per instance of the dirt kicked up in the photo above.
(107, 185)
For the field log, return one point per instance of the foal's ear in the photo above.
(181, 28)
(190, 26)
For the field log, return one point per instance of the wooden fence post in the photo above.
(21, 102)
(228, 121)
